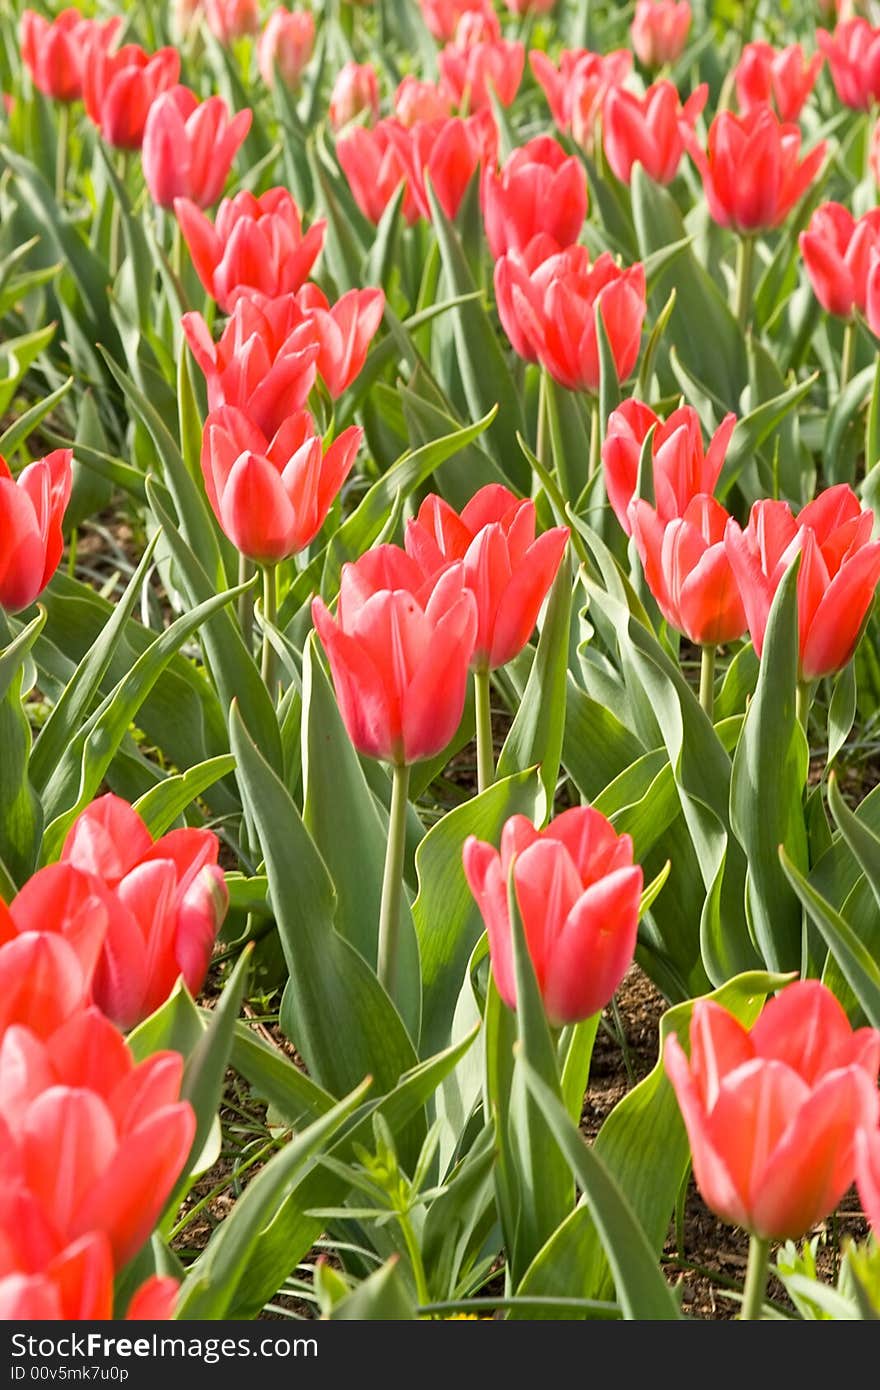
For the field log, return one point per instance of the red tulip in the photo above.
(659, 31)
(97, 1140)
(229, 20)
(399, 656)
(837, 250)
(120, 86)
(52, 50)
(442, 16)
(576, 90)
(868, 1175)
(521, 7)
(355, 90)
(647, 130)
(680, 467)
(578, 893)
(752, 172)
(840, 569)
(42, 979)
(449, 152)
(784, 76)
(466, 74)
(375, 167)
(31, 510)
(688, 569)
(553, 311)
(772, 1113)
(271, 498)
(189, 147)
(507, 570)
(165, 902)
(475, 27)
(344, 331)
(539, 189)
(286, 44)
(853, 53)
(415, 100)
(264, 363)
(253, 243)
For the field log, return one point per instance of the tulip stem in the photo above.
(756, 1278)
(848, 355)
(246, 601)
(270, 617)
(392, 880)
(61, 152)
(804, 691)
(483, 720)
(707, 679)
(595, 438)
(745, 252)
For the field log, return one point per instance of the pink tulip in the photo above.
(442, 16)
(343, 330)
(772, 1113)
(52, 50)
(868, 1174)
(838, 250)
(467, 74)
(659, 31)
(356, 90)
(539, 189)
(415, 100)
(120, 85)
(286, 44)
(448, 153)
(375, 168)
(785, 76)
(853, 53)
(578, 894)
(648, 130)
(32, 507)
(189, 147)
(577, 89)
(229, 20)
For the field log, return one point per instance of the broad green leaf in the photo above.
(160, 807)
(383, 1295)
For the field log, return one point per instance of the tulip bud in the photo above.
(286, 44)
(32, 507)
(229, 20)
(659, 31)
(356, 89)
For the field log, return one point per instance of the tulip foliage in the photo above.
(439, 514)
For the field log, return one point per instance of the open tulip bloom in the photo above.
(31, 510)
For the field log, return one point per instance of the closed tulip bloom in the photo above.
(32, 507)
(576, 89)
(264, 363)
(189, 147)
(578, 894)
(253, 243)
(681, 467)
(42, 978)
(539, 189)
(344, 331)
(506, 568)
(838, 250)
(165, 900)
(647, 130)
(375, 168)
(399, 656)
(52, 50)
(688, 570)
(868, 1175)
(229, 20)
(442, 16)
(839, 572)
(286, 45)
(95, 1138)
(449, 152)
(659, 31)
(355, 90)
(185, 14)
(528, 273)
(120, 86)
(752, 171)
(772, 1112)
(271, 497)
(468, 73)
(416, 100)
(853, 53)
(784, 76)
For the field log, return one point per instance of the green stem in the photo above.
(392, 880)
(595, 438)
(707, 679)
(61, 152)
(483, 720)
(246, 601)
(804, 692)
(756, 1278)
(848, 354)
(415, 1258)
(543, 436)
(745, 252)
(116, 216)
(270, 617)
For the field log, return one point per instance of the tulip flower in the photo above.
(52, 50)
(577, 89)
(229, 20)
(31, 510)
(120, 86)
(853, 53)
(689, 571)
(540, 189)
(752, 171)
(375, 168)
(97, 1140)
(785, 76)
(476, 27)
(253, 243)
(837, 249)
(415, 100)
(185, 14)
(43, 979)
(189, 147)
(449, 153)
(681, 468)
(466, 74)
(578, 894)
(343, 330)
(442, 16)
(839, 572)
(772, 1113)
(868, 1175)
(553, 311)
(264, 363)
(647, 130)
(165, 901)
(355, 90)
(271, 497)
(285, 46)
(521, 7)
(659, 31)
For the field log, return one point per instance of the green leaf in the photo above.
(23, 424)
(383, 1295)
(21, 818)
(841, 710)
(292, 1095)
(160, 807)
